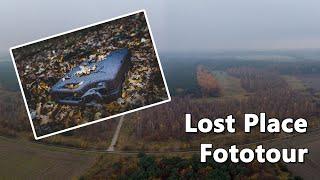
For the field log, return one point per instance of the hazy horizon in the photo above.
(267, 54)
(179, 26)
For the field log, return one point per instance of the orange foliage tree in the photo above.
(208, 84)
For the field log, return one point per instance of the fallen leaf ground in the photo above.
(42, 64)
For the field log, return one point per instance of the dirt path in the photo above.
(116, 135)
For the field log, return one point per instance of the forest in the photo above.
(264, 89)
(174, 167)
(269, 93)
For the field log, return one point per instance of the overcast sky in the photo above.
(177, 26)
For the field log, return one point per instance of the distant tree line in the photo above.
(253, 79)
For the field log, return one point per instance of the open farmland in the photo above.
(20, 159)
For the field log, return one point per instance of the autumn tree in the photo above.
(207, 82)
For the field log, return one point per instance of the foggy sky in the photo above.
(177, 26)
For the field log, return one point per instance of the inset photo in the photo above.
(90, 74)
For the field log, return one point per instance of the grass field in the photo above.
(230, 87)
(308, 84)
(311, 81)
(295, 83)
(20, 159)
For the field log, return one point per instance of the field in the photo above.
(295, 83)
(20, 159)
(230, 86)
(311, 81)
(308, 84)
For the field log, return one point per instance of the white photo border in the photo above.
(102, 119)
